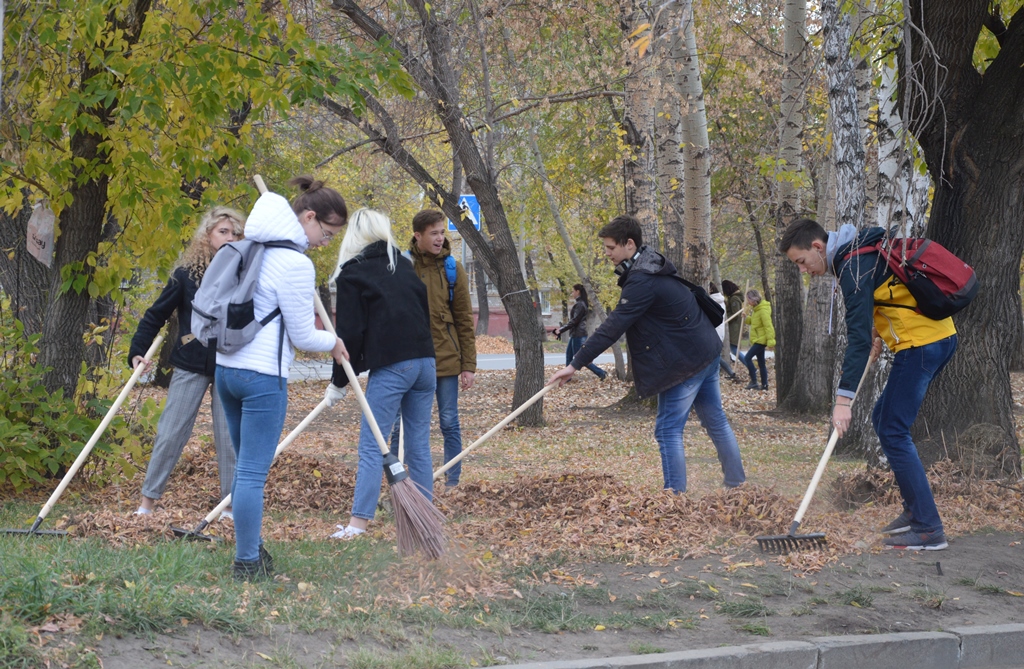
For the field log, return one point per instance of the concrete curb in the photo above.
(982, 647)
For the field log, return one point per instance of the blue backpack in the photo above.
(450, 274)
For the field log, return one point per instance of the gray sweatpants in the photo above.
(184, 397)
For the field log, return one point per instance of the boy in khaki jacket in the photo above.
(451, 324)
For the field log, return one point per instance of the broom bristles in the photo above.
(418, 523)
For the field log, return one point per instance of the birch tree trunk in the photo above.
(848, 163)
(682, 54)
(639, 186)
(794, 369)
(669, 137)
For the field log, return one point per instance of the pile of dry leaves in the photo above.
(488, 344)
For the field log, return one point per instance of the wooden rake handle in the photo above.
(80, 460)
(829, 447)
(490, 433)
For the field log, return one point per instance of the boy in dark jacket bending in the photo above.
(922, 347)
(673, 349)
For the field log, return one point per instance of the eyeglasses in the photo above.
(327, 234)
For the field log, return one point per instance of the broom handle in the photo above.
(352, 379)
(490, 433)
(226, 502)
(80, 460)
(832, 440)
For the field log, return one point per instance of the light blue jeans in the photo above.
(912, 372)
(447, 393)
(255, 406)
(409, 386)
(701, 392)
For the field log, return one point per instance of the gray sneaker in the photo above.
(914, 541)
(898, 526)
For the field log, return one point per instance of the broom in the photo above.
(490, 433)
(781, 544)
(80, 460)
(197, 534)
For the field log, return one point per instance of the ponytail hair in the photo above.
(327, 203)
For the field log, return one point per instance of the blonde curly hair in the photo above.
(196, 258)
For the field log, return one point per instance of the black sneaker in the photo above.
(764, 386)
(254, 570)
(753, 385)
(914, 541)
(898, 526)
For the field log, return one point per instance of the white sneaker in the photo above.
(142, 512)
(347, 532)
(226, 515)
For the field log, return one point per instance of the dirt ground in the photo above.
(968, 584)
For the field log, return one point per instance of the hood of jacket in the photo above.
(847, 239)
(374, 250)
(446, 250)
(272, 219)
(650, 262)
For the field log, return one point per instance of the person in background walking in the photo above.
(193, 363)
(723, 360)
(733, 305)
(577, 328)
(762, 336)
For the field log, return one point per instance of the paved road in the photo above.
(306, 370)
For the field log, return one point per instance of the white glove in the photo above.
(335, 394)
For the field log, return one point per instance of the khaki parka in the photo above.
(452, 328)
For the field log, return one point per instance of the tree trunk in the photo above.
(682, 53)
(902, 198)
(483, 307)
(973, 149)
(668, 133)
(498, 250)
(791, 371)
(638, 126)
(25, 280)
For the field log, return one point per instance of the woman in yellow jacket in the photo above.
(762, 336)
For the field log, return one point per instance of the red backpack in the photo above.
(942, 283)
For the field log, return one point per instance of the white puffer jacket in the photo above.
(287, 280)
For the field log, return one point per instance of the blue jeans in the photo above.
(756, 351)
(912, 371)
(701, 392)
(575, 344)
(254, 406)
(447, 394)
(409, 386)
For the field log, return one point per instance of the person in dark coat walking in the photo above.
(194, 364)
(673, 350)
(577, 328)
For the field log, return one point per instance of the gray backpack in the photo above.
(222, 310)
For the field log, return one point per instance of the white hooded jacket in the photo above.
(287, 280)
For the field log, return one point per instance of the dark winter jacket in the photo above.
(450, 324)
(577, 325)
(382, 317)
(188, 353)
(668, 336)
(733, 305)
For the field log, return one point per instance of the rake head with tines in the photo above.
(782, 544)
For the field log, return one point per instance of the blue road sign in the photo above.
(468, 204)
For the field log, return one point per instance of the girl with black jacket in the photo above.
(384, 319)
(193, 363)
